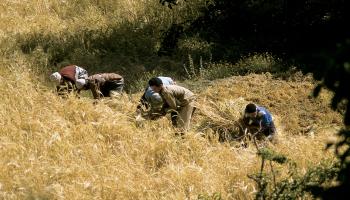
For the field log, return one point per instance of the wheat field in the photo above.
(54, 148)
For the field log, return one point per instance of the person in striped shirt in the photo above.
(69, 78)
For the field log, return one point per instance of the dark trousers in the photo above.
(270, 130)
(108, 86)
(65, 88)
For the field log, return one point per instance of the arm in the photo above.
(95, 89)
(245, 120)
(265, 121)
(170, 100)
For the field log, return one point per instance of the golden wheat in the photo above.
(71, 149)
(53, 148)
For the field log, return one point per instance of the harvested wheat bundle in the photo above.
(224, 118)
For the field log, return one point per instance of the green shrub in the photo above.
(256, 63)
(295, 185)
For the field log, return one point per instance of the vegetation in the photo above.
(53, 148)
(312, 33)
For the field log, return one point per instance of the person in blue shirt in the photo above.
(153, 98)
(260, 118)
(153, 102)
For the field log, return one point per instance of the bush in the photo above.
(256, 63)
(295, 185)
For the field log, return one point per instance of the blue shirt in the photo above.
(154, 98)
(166, 80)
(263, 118)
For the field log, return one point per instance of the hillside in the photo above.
(53, 148)
(70, 149)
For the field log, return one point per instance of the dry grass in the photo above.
(70, 149)
(291, 102)
(54, 16)
(100, 35)
(52, 148)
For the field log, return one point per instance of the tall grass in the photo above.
(53, 148)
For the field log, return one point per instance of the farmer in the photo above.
(259, 118)
(69, 78)
(177, 98)
(154, 102)
(105, 85)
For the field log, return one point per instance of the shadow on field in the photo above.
(128, 49)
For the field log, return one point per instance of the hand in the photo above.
(250, 122)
